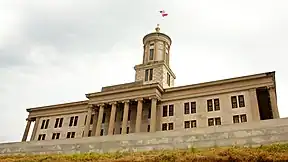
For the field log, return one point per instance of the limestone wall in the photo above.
(247, 134)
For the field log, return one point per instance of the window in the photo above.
(241, 101)
(70, 134)
(58, 122)
(218, 121)
(234, 102)
(212, 120)
(190, 124)
(89, 133)
(193, 107)
(243, 118)
(209, 105)
(170, 126)
(168, 79)
(171, 110)
(148, 74)
(164, 111)
(238, 118)
(41, 137)
(216, 104)
(45, 124)
(129, 115)
(102, 132)
(104, 116)
(55, 135)
(186, 124)
(186, 108)
(164, 126)
(148, 128)
(120, 130)
(73, 121)
(151, 54)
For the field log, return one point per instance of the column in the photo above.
(35, 129)
(88, 120)
(125, 117)
(139, 115)
(99, 122)
(254, 105)
(112, 118)
(273, 100)
(94, 123)
(153, 115)
(24, 138)
(155, 50)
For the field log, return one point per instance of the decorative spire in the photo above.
(157, 28)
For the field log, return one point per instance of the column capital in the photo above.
(270, 87)
(101, 104)
(90, 106)
(113, 103)
(153, 97)
(125, 101)
(139, 99)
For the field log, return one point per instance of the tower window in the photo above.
(151, 54)
(168, 79)
(148, 74)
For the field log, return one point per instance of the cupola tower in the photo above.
(156, 56)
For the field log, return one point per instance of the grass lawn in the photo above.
(275, 152)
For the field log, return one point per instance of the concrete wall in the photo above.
(244, 134)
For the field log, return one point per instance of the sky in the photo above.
(57, 51)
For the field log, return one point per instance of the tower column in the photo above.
(112, 118)
(139, 115)
(153, 114)
(125, 117)
(88, 120)
(25, 135)
(273, 100)
(99, 122)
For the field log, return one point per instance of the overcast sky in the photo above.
(57, 51)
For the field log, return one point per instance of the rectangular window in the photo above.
(151, 74)
(187, 124)
(120, 130)
(41, 137)
(193, 107)
(164, 126)
(151, 54)
(218, 121)
(193, 124)
(55, 135)
(164, 111)
(243, 118)
(43, 124)
(241, 101)
(168, 79)
(56, 124)
(70, 134)
(75, 120)
(104, 116)
(102, 132)
(148, 128)
(47, 123)
(209, 105)
(186, 108)
(129, 115)
(89, 133)
(171, 110)
(236, 119)
(149, 113)
(61, 122)
(170, 126)
(216, 104)
(234, 102)
(210, 121)
(71, 121)
(146, 74)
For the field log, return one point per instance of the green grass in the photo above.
(275, 152)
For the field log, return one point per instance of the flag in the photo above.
(163, 13)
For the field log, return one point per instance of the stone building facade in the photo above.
(152, 103)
